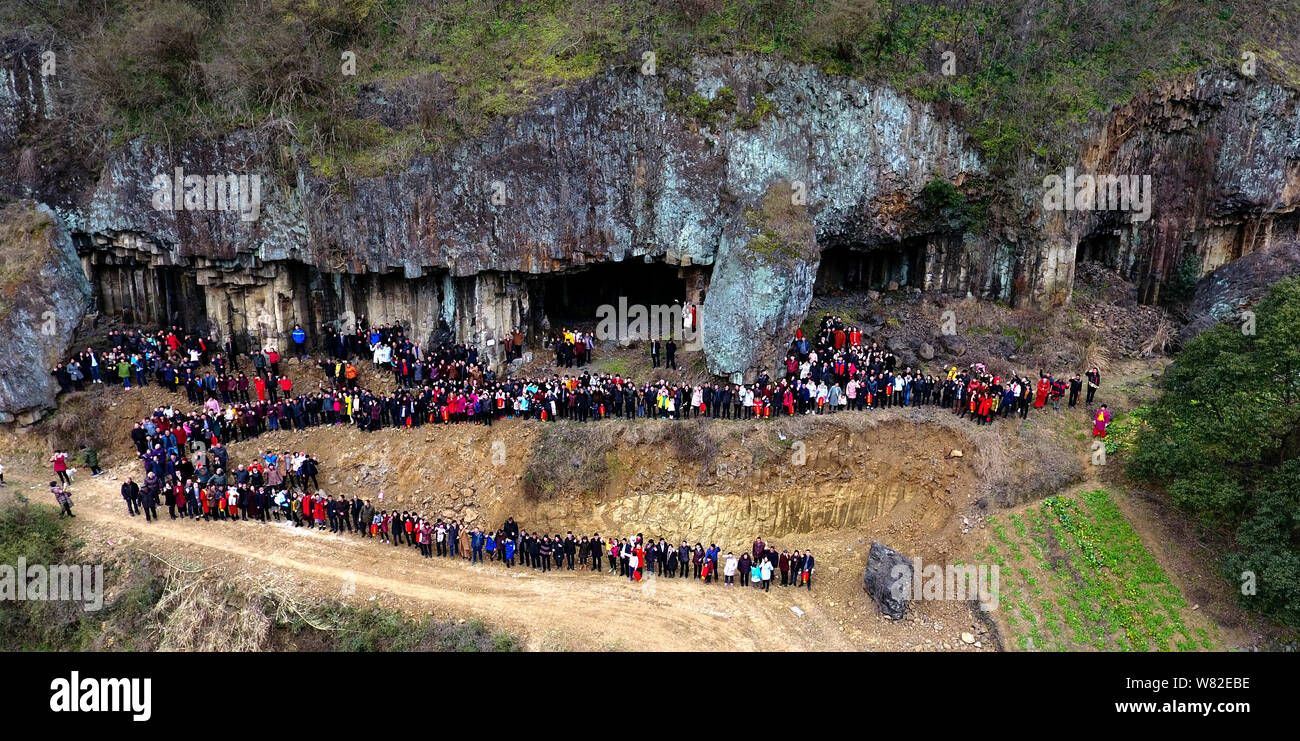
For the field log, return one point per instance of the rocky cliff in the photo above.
(1223, 155)
(679, 168)
(43, 297)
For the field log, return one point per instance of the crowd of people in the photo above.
(201, 486)
(283, 488)
(838, 370)
(186, 464)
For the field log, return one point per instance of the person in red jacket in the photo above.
(1101, 421)
(319, 512)
(1044, 388)
(260, 385)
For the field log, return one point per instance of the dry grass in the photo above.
(200, 612)
(80, 421)
(1097, 354)
(1161, 337)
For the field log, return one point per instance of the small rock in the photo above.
(955, 453)
(793, 609)
(967, 638)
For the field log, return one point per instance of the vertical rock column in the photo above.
(43, 298)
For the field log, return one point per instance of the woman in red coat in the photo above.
(319, 512)
(1044, 388)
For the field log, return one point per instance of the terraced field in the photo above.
(1076, 576)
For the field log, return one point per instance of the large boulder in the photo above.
(1234, 288)
(43, 297)
(888, 579)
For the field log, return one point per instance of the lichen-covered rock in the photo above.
(1226, 293)
(762, 284)
(43, 298)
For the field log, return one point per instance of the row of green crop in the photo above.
(1104, 589)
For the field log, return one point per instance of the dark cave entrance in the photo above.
(845, 268)
(572, 298)
(139, 294)
(1102, 249)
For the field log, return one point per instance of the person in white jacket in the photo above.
(729, 570)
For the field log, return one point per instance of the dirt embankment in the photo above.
(832, 485)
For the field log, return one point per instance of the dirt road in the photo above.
(565, 610)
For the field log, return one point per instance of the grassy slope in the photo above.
(1026, 73)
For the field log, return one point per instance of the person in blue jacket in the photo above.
(510, 552)
(299, 342)
(476, 545)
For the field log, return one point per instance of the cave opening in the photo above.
(1102, 249)
(572, 298)
(138, 293)
(849, 268)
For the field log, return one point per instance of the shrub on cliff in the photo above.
(1224, 440)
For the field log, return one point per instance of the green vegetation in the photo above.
(784, 230)
(705, 111)
(761, 109)
(1224, 440)
(945, 205)
(172, 68)
(1182, 283)
(35, 533)
(1078, 576)
(387, 631)
(1122, 433)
